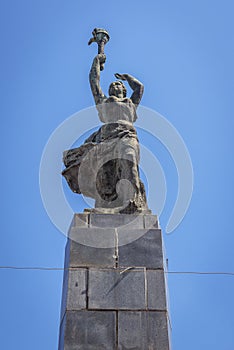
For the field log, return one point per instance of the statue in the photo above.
(105, 167)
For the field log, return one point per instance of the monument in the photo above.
(114, 289)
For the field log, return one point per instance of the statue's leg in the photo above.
(128, 186)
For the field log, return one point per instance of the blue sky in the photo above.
(183, 53)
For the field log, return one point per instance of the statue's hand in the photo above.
(101, 57)
(120, 76)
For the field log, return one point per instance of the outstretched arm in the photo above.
(136, 86)
(94, 78)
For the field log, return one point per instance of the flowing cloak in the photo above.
(111, 144)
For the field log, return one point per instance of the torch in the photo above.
(101, 37)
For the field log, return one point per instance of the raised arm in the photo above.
(94, 79)
(136, 86)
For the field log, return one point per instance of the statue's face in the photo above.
(116, 89)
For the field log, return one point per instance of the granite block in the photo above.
(140, 330)
(128, 235)
(89, 330)
(77, 289)
(146, 251)
(96, 237)
(81, 255)
(117, 220)
(156, 290)
(116, 289)
(74, 290)
(151, 221)
(81, 220)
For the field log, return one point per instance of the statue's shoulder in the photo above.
(127, 100)
(112, 99)
(117, 99)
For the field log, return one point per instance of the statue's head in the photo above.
(118, 89)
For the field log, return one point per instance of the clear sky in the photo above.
(183, 53)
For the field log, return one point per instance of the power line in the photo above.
(33, 268)
(201, 272)
(41, 268)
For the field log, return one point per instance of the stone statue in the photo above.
(105, 167)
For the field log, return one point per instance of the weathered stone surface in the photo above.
(74, 290)
(151, 221)
(81, 220)
(89, 330)
(96, 289)
(117, 220)
(76, 294)
(156, 290)
(96, 237)
(78, 255)
(140, 330)
(145, 251)
(115, 289)
(82, 255)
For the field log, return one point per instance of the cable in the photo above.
(168, 272)
(33, 268)
(200, 273)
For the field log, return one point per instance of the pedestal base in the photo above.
(114, 296)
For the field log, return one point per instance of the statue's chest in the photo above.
(114, 109)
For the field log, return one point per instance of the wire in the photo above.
(33, 268)
(200, 273)
(168, 272)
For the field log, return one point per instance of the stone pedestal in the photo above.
(114, 289)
